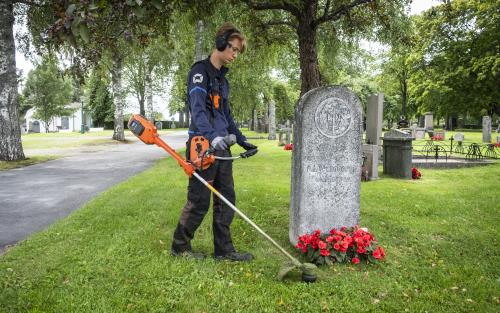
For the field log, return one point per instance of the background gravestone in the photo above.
(327, 157)
(487, 129)
(459, 137)
(429, 121)
(397, 154)
(374, 115)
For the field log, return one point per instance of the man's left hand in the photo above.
(248, 146)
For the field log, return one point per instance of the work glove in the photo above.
(247, 146)
(218, 143)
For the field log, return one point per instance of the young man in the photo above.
(208, 93)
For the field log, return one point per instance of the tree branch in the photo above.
(285, 6)
(27, 2)
(327, 8)
(339, 12)
(278, 22)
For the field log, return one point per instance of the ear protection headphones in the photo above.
(221, 41)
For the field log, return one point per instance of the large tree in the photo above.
(48, 91)
(92, 30)
(340, 16)
(146, 68)
(456, 65)
(10, 131)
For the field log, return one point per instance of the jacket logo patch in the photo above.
(197, 78)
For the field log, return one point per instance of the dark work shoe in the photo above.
(235, 256)
(188, 254)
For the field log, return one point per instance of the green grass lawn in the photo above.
(4, 165)
(440, 234)
(74, 139)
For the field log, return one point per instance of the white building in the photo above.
(71, 123)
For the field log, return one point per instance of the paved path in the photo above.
(33, 197)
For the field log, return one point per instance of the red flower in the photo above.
(415, 174)
(336, 246)
(322, 245)
(289, 146)
(355, 260)
(361, 249)
(325, 252)
(379, 253)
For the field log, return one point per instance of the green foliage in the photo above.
(285, 99)
(99, 100)
(47, 91)
(456, 62)
(146, 66)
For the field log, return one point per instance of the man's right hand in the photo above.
(218, 143)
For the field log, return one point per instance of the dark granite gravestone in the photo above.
(397, 153)
(327, 158)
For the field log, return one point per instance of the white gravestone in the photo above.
(429, 121)
(459, 137)
(487, 129)
(327, 158)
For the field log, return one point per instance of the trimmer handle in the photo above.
(249, 153)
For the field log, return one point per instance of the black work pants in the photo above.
(219, 175)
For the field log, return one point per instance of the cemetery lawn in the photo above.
(440, 234)
(73, 139)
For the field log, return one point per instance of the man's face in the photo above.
(232, 51)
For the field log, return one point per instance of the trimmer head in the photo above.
(307, 270)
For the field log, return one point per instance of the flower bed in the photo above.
(347, 245)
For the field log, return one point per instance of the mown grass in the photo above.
(440, 234)
(4, 165)
(74, 139)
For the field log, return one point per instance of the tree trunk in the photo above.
(309, 68)
(198, 46)
(118, 96)
(11, 148)
(404, 97)
(142, 111)
(148, 90)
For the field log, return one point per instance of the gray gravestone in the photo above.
(159, 125)
(420, 133)
(413, 129)
(284, 136)
(272, 120)
(429, 121)
(327, 157)
(487, 129)
(374, 115)
(371, 163)
(421, 121)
